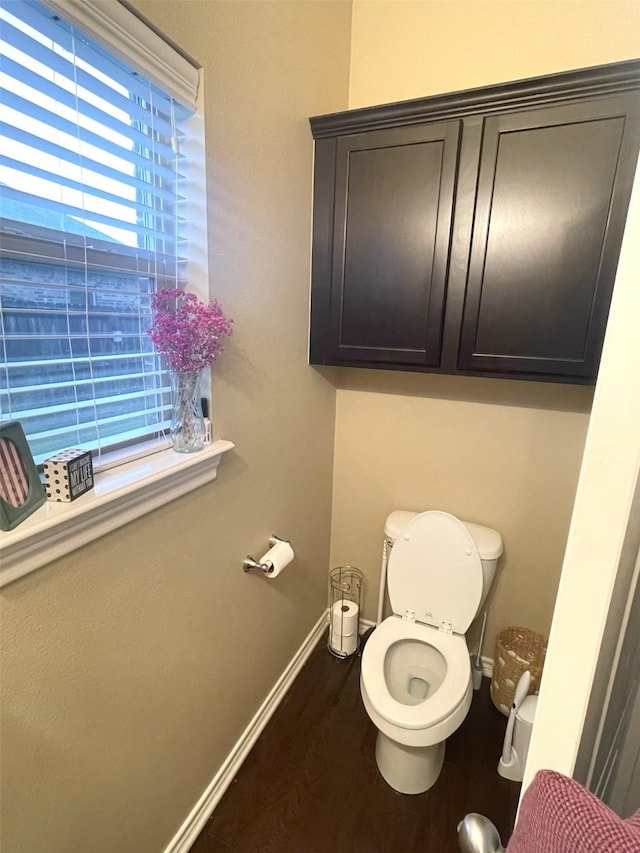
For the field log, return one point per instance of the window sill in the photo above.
(120, 495)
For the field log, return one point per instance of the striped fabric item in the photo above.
(14, 480)
(558, 815)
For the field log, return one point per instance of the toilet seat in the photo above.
(434, 708)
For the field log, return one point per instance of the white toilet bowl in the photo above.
(416, 687)
(416, 673)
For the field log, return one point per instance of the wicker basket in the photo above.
(517, 650)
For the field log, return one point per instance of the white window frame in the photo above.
(135, 480)
(122, 33)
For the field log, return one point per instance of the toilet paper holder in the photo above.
(345, 589)
(249, 563)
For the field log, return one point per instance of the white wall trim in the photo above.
(124, 34)
(487, 666)
(212, 795)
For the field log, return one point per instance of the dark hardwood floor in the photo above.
(311, 785)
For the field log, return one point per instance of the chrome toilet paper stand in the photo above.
(345, 586)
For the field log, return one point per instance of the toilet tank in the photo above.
(488, 542)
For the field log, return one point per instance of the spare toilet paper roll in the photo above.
(344, 618)
(278, 557)
(344, 645)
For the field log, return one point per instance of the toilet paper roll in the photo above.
(344, 645)
(344, 618)
(278, 557)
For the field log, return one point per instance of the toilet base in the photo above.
(408, 769)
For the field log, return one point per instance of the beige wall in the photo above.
(478, 448)
(412, 48)
(502, 453)
(131, 667)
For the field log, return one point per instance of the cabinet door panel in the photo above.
(392, 227)
(545, 245)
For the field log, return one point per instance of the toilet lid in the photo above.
(435, 571)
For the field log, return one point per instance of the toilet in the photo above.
(415, 678)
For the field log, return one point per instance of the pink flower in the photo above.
(186, 331)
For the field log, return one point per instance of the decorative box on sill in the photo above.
(68, 475)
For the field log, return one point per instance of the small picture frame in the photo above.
(21, 491)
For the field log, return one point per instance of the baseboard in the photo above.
(487, 666)
(203, 809)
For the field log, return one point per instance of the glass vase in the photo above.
(187, 427)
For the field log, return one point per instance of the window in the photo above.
(91, 216)
(91, 204)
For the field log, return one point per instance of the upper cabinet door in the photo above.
(553, 190)
(391, 235)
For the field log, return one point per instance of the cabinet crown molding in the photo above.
(531, 92)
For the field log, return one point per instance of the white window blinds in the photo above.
(90, 226)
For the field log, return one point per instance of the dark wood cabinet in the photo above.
(548, 219)
(477, 232)
(394, 195)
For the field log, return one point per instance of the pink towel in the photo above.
(558, 815)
